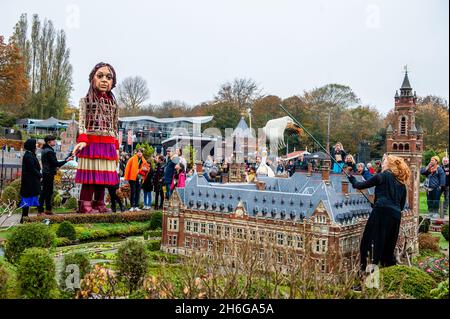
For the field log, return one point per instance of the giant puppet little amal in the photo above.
(97, 143)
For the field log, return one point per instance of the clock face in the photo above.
(239, 211)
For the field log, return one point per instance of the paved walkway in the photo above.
(12, 220)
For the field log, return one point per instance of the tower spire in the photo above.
(406, 89)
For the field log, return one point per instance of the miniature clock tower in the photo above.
(403, 139)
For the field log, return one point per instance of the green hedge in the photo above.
(409, 281)
(79, 259)
(156, 220)
(154, 245)
(132, 262)
(444, 231)
(4, 279)
(75, 218)
(67, 230)
(27, 236)
(36, 274)
(99, 231)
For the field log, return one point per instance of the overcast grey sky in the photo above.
(186, 49)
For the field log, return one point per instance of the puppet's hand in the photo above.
(78, 147)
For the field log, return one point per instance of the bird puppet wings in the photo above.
(275, 129)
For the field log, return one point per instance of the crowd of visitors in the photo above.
(157, 176)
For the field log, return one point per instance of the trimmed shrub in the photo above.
(444, 231)
(79, 259)
(93, 218)
(405, 280)
(66, 230)
(56, 200)
(132, 263)
(4, 277)
(10, 194)
(27, 236)
(36, 274)
(126, 229)
(425, 225)
(428, 242)
(156, 220)
(71, 203)
(154, 245)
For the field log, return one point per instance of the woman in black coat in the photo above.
(30, 186)
(383, 226)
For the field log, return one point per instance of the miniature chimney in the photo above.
(326, 170)
(309, 169)
(260, 185)
(345, 186)
(199, 168)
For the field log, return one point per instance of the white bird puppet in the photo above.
(263, 168)
(274, 131)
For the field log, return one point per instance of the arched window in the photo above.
(403, 125)
(394, 146)
(400, 147)
(406, 146)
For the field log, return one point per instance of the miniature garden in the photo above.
(98, 256)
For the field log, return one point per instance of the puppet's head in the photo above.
(102, 80)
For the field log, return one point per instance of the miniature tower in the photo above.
(403, 139)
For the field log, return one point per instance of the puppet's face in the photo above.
(103, 79)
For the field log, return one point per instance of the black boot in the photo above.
(113, 206)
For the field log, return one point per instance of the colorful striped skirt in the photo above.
(97, 165)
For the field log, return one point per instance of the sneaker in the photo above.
(132, 209)
(136, 209)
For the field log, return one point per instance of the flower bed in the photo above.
(435, 267)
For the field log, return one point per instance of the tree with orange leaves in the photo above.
(13, 77)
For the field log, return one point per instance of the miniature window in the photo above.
(203, 228)
(187, 242)
(279, 257)
(173, 224)
(219, 230)
(289, 241)
(299, 240)
(211, 229)
(195, 228)
(403, 125)
(210, 245)
(280, 238)
(188, 226)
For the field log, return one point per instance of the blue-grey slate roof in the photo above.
(293, 198)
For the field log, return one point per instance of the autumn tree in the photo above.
(434, 121)
(13, 81)
(132, 93)
(47, 66)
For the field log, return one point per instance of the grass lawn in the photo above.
(443, 244)
(423, 207)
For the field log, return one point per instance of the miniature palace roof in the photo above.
(294, 198)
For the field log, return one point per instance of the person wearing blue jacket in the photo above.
(363, 171)
(434, 184)
(169, 171)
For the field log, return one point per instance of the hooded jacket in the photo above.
(31, 171)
